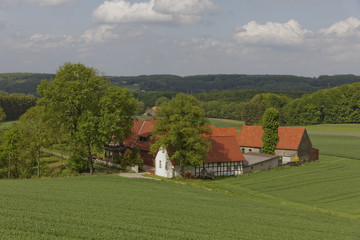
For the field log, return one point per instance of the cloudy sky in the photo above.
(182, 37)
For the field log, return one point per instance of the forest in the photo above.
(27, 82)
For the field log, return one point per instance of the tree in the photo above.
(34, 133)
(10, 148)
(180, 128)
(84, 107)
(2, 115)
(161, 100)
(270, 125)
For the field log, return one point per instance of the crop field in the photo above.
(317, 200)
(110, 207)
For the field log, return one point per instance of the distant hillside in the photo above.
(22, 82)
(27, 82)
(207, 83)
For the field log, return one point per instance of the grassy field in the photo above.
(110, 207)
(226, 123)
(317, 200)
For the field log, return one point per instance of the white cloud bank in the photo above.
(153, 11)
(272, 33)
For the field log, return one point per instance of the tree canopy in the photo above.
(81, 105)
(180, 128)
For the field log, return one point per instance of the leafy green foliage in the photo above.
(180, 124)
(35, 134)
(86, 109)
(337, 105)
(14, 105)
(254, 110)
(10, 150)
(270, 125)
(131, 158)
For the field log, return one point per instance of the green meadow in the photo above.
(318, 200)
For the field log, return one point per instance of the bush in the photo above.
(78, 163)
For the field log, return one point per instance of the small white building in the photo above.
(225, 159)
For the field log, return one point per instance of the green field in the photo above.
(110, 207)
(226, 123)
(317, 200)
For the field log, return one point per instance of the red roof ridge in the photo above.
(290, 137)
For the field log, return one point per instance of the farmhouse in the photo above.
(294, 143)
(139, 139)
(224, 158)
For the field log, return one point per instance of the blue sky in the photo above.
(182, 37)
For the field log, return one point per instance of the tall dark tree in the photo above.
(270, 125)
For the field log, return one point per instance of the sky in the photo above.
(182, 37)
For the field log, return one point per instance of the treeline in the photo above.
(337, 105)
(27, 82)
(16, 104)
(228, 104)
(206, 83)
(22, 82)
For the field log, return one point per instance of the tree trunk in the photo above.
(38, 163)
(9, 170)
(90, 161)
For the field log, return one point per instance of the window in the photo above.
(160, 164)
(243, 150)
(167, 166)
(250, 150)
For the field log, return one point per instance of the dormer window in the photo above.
(144, 139)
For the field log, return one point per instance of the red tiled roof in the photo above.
(224, 149)
(289, 137)
(225, 132)
(141, 128)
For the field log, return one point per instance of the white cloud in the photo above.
(271, 33)
(41, 42)
(121, 11)
(348, 28)
(98, 35)
(153, 11)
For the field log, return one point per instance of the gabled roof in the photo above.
(289, 137)
(224, 132)
(224, 149)
(141, 128)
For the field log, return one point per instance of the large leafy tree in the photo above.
(35, 134)
(82, 106)
(180, 128)
(10, 149)
(270, 125)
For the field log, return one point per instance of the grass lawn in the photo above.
(111, 207)
(334, 128)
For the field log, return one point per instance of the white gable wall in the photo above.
(163, 166)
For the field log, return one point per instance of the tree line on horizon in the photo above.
(27, 82)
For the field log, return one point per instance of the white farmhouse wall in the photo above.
(163, 166)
